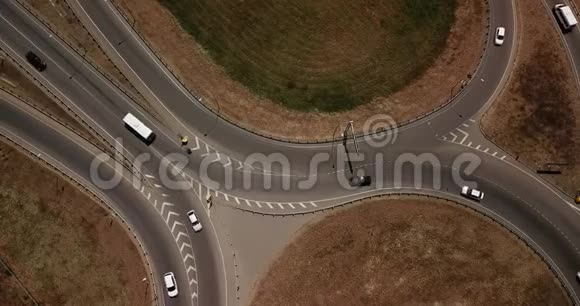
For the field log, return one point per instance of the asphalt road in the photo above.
(515, 197)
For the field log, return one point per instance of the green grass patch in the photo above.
(324, 55)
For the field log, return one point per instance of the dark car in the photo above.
(35, 61)
(360, 180)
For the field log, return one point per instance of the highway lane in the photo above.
(78, 90)
(240, 143)
(104, 22)
(73, 156)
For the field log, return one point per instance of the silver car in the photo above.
(170, 284)
(472, 193)
(194, 221)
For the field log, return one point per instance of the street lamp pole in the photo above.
(353, 135)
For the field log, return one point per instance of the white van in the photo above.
(565, 17)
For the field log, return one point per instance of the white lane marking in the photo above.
(503, 157)
(149, 176)
(175, 223)
(171, 213)
(157, 185)
(196, 144)
(469, 144)
(454, 136)
(164, 205)
(464, 137)
(184, 245)
(188, 256)
(471, 120)
(302, 204)
(465, 125)
(485, 151)
(191, 268)
(289, 204)
(237, 200)
(179, 235)
(494, 153)
(229, 162)
(258, 203)
(478, 146)
(218, 157)
(165, 195)
(148, 196)
(313, 204)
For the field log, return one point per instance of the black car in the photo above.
(360, 180)
(35, 61)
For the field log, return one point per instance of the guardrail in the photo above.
(478, 209)
(113, 81)
(103, 203)
(484, 115)
(250, 129)
(126, 162)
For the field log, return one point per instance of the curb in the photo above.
(325, 140)
(520, 235)
(100, 201)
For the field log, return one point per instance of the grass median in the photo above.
(327, 55)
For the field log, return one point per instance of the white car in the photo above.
(194, 221)
(499, 36)
(170, 284)
(578, 276)
(472, 193)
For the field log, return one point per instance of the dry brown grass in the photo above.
(11, 293)
(537, 116)
(64, 247)
(408, 251)
(184, 55)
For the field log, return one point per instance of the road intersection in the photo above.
(443, 144)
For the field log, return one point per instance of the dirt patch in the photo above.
(63, 20)
(62, 246)
(11, 292)
(408, 251)
(536, 118)
(211, 82)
